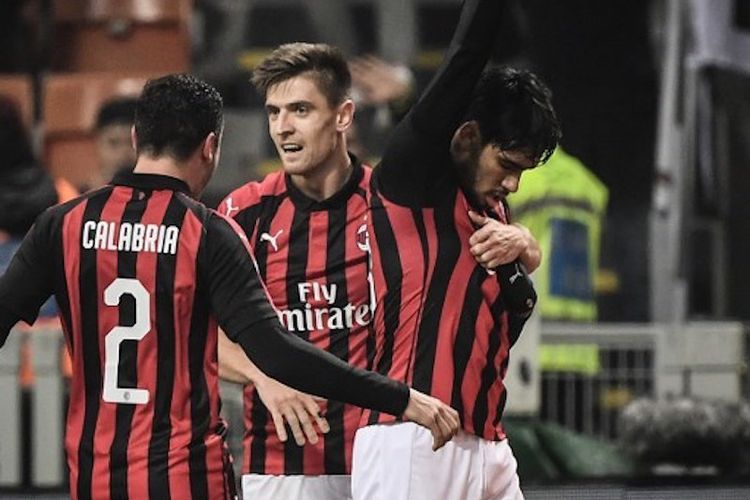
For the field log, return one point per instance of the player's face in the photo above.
(115, 149)
(498, 173)
(304, 127)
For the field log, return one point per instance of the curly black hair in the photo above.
(514, 111)
(174, 115)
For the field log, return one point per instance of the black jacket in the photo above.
(25, 192)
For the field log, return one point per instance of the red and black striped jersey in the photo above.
(142, 274)
(313, 257)
(441, 323)
(128, 263)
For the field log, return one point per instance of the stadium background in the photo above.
(649, 400)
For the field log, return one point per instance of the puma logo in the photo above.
(273, 240)
(518, 274)
(229, 208)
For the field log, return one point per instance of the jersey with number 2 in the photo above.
(133, 266)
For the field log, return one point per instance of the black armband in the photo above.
(518, 291)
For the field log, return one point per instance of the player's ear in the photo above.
(210, 146)
(344, 115)
(469, 133)
(134, 139)
(466, 141)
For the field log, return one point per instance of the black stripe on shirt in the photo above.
(466, 334)
(262, 216)
(489, 372)
(448, 250)
(61, 283)
(92, 370)
(127, 375)
(334, 454)
(199, 397)
(299, 237)
(393, 274)
(158, 449)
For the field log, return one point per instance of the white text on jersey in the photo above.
(319, 312)
(130, 237)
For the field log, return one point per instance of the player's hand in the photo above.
(438, 417)
(495, 243)
(378, 81)
(297, 409)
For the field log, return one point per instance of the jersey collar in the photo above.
(150, 182)
(303, 202)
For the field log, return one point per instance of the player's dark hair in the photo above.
(514, 110)
(174, 114)
(118, 111)
(325, 64)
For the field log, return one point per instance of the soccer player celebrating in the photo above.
(444, 322)
(307, 225)
(143, 274)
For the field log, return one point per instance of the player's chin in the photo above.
(492, 200)
(293, 166)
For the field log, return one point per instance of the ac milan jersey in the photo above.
(441, 324)
(142, 274)
(313, 257)
(125, 260)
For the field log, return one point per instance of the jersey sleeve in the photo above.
(244, 311)
(238, 296)
(415, 169)
(27, 283)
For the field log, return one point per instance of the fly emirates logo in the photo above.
(319, 311)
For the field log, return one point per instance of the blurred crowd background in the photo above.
(635, 366)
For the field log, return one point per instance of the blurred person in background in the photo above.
(26, 189)
(389, 90)
(114, 146)
(564, 205)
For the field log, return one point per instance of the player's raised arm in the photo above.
(411, 161)
(442, 105)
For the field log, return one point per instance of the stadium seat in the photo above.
(122, 35)
(71, 103)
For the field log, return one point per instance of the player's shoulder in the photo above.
(253, 193)
(61, 209)
(220, 228)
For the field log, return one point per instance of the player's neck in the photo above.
(163, 165)
(328, 178)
